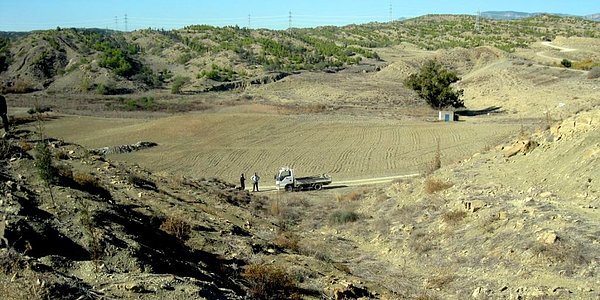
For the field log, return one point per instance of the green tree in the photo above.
(433, 83)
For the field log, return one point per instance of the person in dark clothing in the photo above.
(3, 113)
(242, 182)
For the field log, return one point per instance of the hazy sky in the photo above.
(25, 15)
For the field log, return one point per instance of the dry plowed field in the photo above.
(224, 144)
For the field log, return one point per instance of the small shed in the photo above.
(446, 116)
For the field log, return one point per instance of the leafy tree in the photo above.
(432, 83)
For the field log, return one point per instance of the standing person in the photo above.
(255, 178)
(3, 112)
(242, 182)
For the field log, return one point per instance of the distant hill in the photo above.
(515, 15)
(202, 58)
(507, 15)
(594, 17)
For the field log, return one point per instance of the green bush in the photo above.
(143, 103)
(43, 162)
(178, 83)
(343, 216)
(566, 63)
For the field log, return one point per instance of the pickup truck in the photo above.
(286, 179)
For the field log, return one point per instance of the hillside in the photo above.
(201, 58)
(119, 177)
(507, 222)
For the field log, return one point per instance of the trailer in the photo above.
(286, 179)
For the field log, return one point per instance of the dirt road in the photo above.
(349, 183)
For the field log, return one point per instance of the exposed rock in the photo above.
(520, 146)
(548, 237)
(123, 148)
(351, 291)
(474, 205)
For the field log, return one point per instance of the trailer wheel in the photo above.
(289, 188)
(318, 186)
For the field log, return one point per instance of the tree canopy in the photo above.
(432, 83)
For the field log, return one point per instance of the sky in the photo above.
(26, 15)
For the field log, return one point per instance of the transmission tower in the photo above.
(290, 21)
(390, 12)
(125, 22)
(116, 23)
(477, 25)
(249, 21)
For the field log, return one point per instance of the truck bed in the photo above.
(322, 179)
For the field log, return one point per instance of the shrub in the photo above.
(143, 103)
(43, 162)
(436, 163)
(433, 186)
(287, 240)
(178, 83)
(108, 88)
(184, 58)
(39, 109)
(268, 282)
(176, 227)
(85, 179)
(351, 196)
(25, 145)
(342, 217)
(5, 146)
(454, 217)
(141, 182)
(566, 63)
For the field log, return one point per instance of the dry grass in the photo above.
(85, 179)
(269, 282)
(454, 217)
(176, 227)
(313, 108)
(338, 217)
(436, 163)
(21, 86)
(440, 280)
(352, 196)
(433, 186)
(18, 283)
(25, 145)
(421, 242)
(287, 240)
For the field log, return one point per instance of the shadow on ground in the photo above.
(485, 111)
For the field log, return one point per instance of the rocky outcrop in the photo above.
(123, 148)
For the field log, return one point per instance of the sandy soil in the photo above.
(227, 144)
